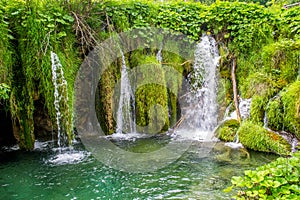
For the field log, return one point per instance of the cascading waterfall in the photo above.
(60, 96)
(202, 109)
(126, 109)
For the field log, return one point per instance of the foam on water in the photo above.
(11, 148)
(127, 136)
(68, 157)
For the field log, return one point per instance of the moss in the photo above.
(275, 114)
(261, 84)
(290, 100)
(173, 74)
(283, 111)
(38, 28)
(227, 130)
(257, 109)
(282, 58)
(258, 138)
(151, 97)
(104, 97)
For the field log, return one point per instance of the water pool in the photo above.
(41, 174)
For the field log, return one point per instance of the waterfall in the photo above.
(202, 110)
(266, 120)
(244, 107)
(60, 96)
(126, 108)
(159, 55)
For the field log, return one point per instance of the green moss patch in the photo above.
(258, 138)
(227, 130)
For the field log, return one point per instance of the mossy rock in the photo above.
(283, 111)
(258, 138)
(151, 97)
(227, 130)
(275, 112)
(225, 153)
(257, 109)
(290, 100)
(262, 84)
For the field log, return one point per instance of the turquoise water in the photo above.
(31, 175)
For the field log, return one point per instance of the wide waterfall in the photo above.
(126, 108)
(201, 112)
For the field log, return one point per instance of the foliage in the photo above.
(38, 28)
(258, 138)
(276, 180)
(31, 29)
(291, 22)
(5, 55)
(281, 60)
(245, 26)
(4, 91)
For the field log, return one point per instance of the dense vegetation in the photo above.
(264, 40)
(276, 180)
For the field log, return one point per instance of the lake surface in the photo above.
(50, 173)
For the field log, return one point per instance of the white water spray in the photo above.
(126, 110)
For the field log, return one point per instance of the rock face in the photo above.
(43, 126)
(6, 136)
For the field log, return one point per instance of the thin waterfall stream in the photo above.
(126, 107)
(64, 154)
(60, 96)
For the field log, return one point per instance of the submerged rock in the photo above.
(224, 153)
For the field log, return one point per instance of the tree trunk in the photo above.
(235, 93)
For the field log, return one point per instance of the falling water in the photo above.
(62, 155)
(266, 121)
(202, 112)
(244, 107)
(126, 109)
(159, 55)
(60, 95)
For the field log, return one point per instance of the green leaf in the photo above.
(228, 189)
(68, 18)
(61, 34)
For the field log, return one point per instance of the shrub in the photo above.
(277, 180)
